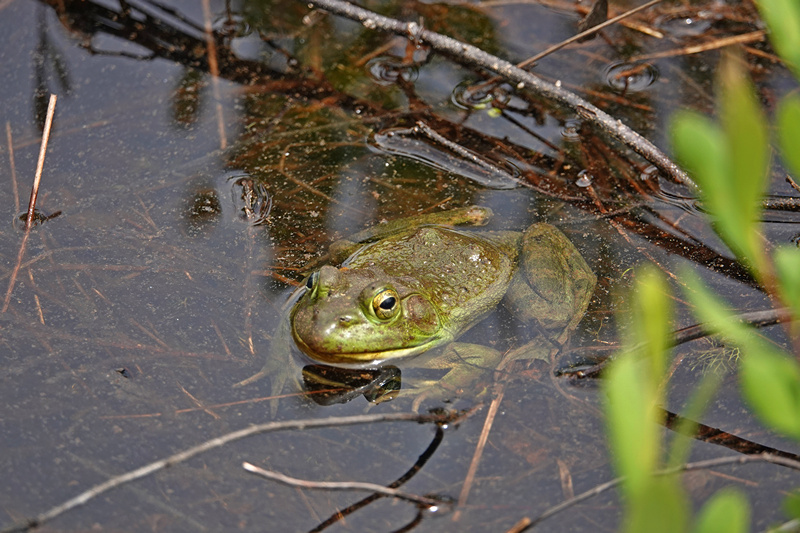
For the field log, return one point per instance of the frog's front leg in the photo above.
(466, 365)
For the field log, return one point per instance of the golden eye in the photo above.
(385, 304)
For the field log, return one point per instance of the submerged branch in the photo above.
(522, 79)
(450, 417)
(341, 485)
(688, 467)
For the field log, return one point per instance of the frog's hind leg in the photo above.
(554, 285)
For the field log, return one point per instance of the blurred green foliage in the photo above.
(730, 161)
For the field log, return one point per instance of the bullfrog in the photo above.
(418, 283)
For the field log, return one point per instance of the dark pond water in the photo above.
(160, 285)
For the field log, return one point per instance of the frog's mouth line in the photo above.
(363, 359)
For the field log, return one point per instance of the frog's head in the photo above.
(363, 317)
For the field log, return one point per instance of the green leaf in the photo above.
(730, 162)
(770, 380)
(787, 263)
(745, 128)
(791, 505)
(771, 384)
(661, 507)
(633, 385)
(630, 415)
(686, 428)
(728, 511)
(651, 320)
(783, 19)
(789, 132)
(700, 145)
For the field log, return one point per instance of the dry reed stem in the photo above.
(13, 166)
(704, 47)
(37, 178)
(476, 457)
(213, 67)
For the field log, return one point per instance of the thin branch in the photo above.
(37, 178)
(213, 68)
(704, 47)
(13, 167)
(558, 46)
(586, 33)
(421, 461)
(341, 485)
(756, 319)
(450, 417)
(699, 465)
(469, 479)
(13, 278)
(48, 123)
(520, 78)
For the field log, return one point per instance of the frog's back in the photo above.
(462, 273)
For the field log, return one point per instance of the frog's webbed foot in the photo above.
(469, 372)
(540, 347)
(279, 377)
(278, 366)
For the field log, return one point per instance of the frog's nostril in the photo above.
(345, 320)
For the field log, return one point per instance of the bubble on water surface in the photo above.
(649, 173)
(584, 179)
(630, 77)
(571, 130)
(684, 25)
(469, 95)
(388, 71)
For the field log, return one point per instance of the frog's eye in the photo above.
(385, 304)
(312, 280)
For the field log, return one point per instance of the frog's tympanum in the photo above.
(418, 283)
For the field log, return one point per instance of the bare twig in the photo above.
(48, 123)
(705, 47)
(581, 35)
(558, 46)
(37, 178)
(793, 183)
(341, 514)
(451, 417)
(520, 78)
(13, 277)
(13, 168)
(469, 479)
(213, 68)
(757, 319)
(699, 465)
(341, 485)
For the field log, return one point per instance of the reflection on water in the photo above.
(328, 385)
